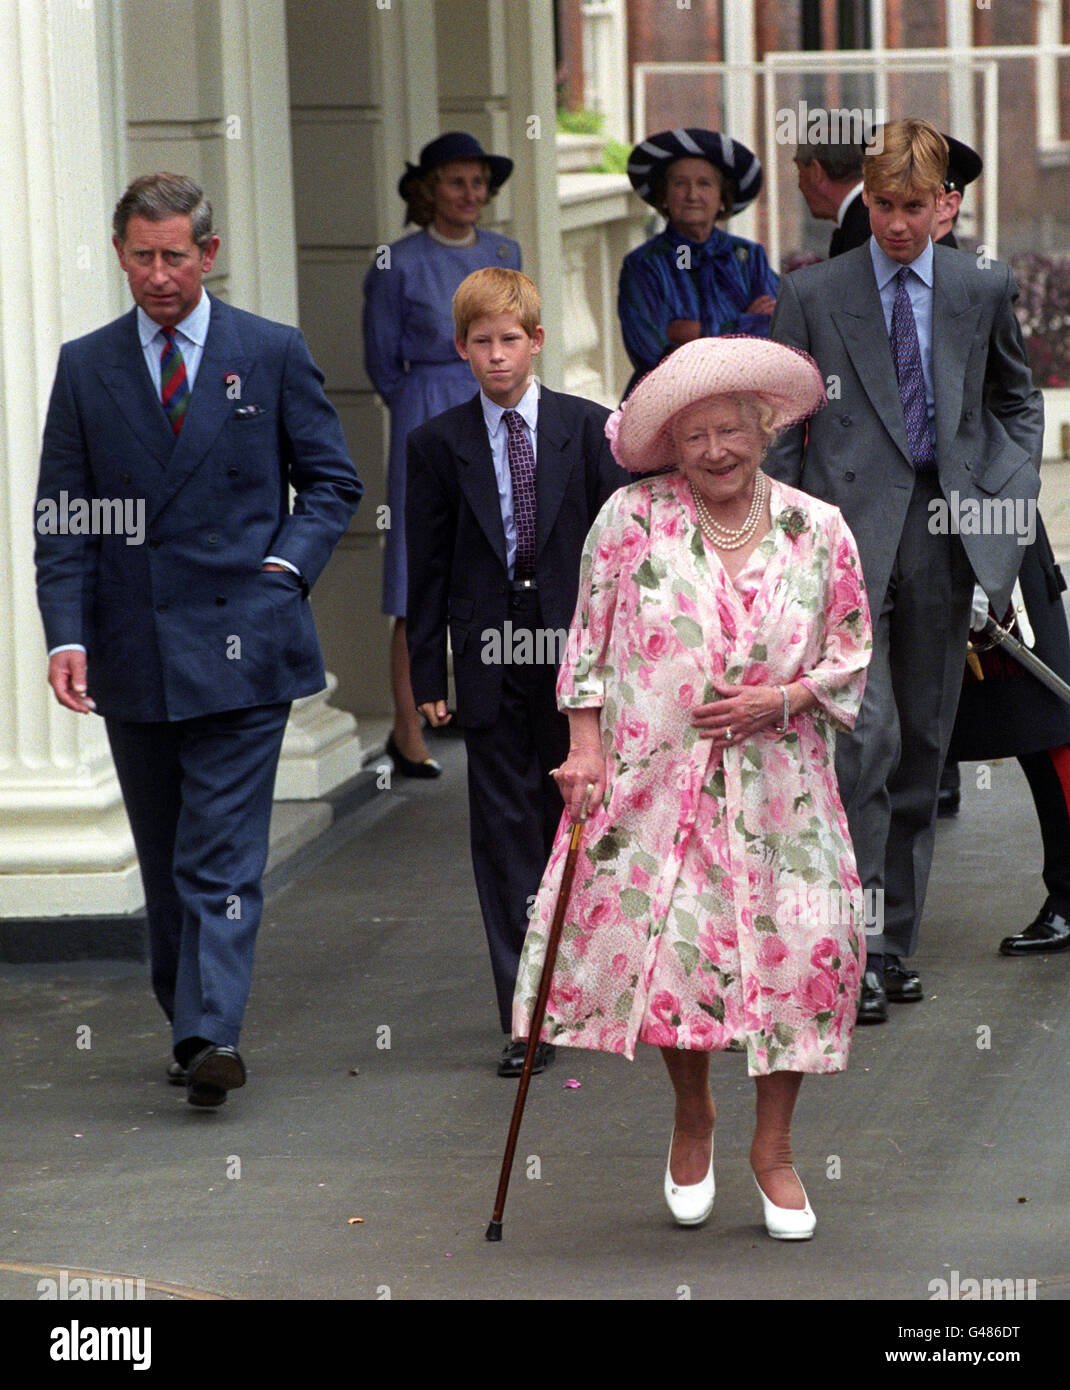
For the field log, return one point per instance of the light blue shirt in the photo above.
(498, 433)
(920, 290)
(190, 335)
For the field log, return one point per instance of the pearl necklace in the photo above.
(721, 536)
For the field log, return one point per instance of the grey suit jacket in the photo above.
(854, 452)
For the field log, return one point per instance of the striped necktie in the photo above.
(174, 388)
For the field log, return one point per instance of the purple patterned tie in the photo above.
(522, 472)
(907, 357)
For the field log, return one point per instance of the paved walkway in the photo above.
(361, 1160)
(943, 1147)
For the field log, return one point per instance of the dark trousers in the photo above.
(513, 803)
(889, 766)
(1048, 774)
(198, 794)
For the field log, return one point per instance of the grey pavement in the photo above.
(348, 1169)
(361, 1160)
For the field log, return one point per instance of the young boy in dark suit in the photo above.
(501, 494)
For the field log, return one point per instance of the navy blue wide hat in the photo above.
(455, 144)
(652, 156)
(963, 164)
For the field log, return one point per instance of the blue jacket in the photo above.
(184, 622)
(671, 277)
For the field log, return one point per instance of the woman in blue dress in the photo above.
(410, 356)
(693, 280)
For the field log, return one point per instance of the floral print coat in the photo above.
(716, 897)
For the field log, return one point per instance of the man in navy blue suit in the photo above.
(189, 630)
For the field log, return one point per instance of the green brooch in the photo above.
(793, 522)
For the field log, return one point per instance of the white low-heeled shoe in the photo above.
(689, 1205)
(787, 1223)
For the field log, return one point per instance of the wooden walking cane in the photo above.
(494, 1230)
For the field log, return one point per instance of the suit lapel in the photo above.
(126, 379)
(477, 479)
(222, 362)
(954, 320)
(865, 336)
(552, 465)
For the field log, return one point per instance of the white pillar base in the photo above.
(321, 750)
(67, 850)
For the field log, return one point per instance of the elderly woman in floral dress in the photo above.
(720, 638)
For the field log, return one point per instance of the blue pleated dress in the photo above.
(410, 356)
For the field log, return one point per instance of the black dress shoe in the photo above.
(1050, 932)
(176, 1074)
(901, 986)
(407, 767)
(873, 1005)
(511, 1062)
(214, 1071)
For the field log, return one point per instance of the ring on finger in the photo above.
(728, 734)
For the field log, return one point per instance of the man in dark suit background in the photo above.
(501, 494)
(830, 179)
(932, 406)
(192, 636)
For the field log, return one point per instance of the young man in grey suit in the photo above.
(930, 446)
(193, 635)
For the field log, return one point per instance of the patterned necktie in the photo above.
(522, 472)
(907, 357)
(174, 388)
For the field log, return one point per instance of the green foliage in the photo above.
(614, 159)
(579, 122)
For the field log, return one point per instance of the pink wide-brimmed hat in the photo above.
(784, 378)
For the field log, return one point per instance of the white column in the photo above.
(526, 47)
(960, 78)
(65, 846)
(741, 109)
(321, 748)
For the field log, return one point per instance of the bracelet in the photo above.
(782, 727)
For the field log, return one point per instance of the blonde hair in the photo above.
(911, 154)
(495, 290)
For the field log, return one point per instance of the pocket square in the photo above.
(248, 412)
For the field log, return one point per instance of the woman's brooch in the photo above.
(793, 522)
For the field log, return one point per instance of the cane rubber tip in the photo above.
(494, 1231)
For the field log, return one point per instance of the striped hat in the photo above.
(786, 379)
(652, 157)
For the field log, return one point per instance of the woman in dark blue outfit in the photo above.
(693, 280)
(411, 358)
